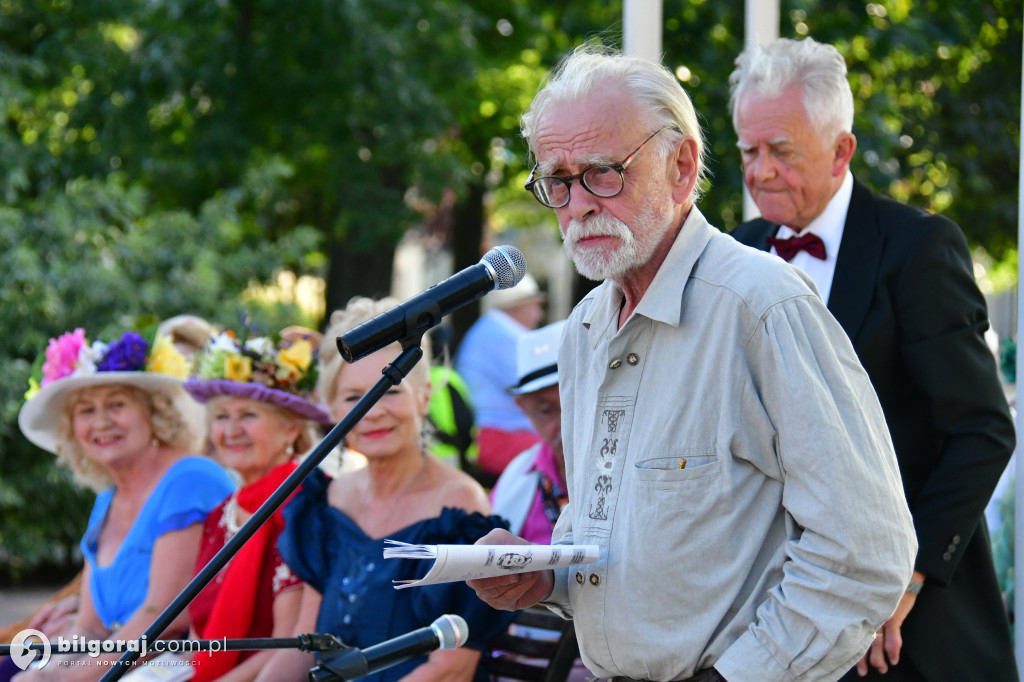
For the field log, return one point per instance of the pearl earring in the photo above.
(290, 450)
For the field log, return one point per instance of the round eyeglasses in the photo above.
(602, 180)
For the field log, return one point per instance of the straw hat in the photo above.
(537, 359)
(72, 363)
(296, 332)
(189, 328)
(257, 368)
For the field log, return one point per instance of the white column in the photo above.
(761, 26)
(641, 23)
(1018, 513)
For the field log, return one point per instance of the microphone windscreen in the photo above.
(451, 630)
(508, 264)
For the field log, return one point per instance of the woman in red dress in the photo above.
(259, 414)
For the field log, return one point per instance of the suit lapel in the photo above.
(762, 230)
(860, 255)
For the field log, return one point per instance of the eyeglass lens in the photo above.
(604, 181)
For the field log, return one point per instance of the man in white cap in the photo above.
(486, 360)
(532, 491)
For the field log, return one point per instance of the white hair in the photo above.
(767, 70)
(656, 90)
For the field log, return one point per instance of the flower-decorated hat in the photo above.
(72, 362)
(281, 374)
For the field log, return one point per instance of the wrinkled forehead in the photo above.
(601, 127)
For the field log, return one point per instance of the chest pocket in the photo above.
(676, 479)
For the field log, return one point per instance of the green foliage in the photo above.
(937, 96)
(936, 87)
(96, 254)
(938, 103)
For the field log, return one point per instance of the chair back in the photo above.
(538, 646)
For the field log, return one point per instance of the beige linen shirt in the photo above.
(726, 451)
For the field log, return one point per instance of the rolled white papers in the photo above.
(454, 563)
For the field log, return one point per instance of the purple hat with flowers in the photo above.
(72, 362)
(281, 374)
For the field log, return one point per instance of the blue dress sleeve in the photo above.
(456, 526)
(189, 490)
(306, 536)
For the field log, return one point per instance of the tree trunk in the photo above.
(356, 273)
(467, 236)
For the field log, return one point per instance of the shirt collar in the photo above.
(661, 301)
(829, 223)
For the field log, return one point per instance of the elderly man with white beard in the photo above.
(724, 447)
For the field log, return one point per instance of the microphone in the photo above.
(501, 268)
(447, 632)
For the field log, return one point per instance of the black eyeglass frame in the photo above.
(567, 180)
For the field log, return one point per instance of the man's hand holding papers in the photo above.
(472, 562)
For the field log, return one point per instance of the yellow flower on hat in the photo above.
(296, 357)
(237, 368)
(167, 359)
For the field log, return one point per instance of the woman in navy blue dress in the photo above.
(335, 528)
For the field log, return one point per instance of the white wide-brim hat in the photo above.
(537, 359)
(40, 415)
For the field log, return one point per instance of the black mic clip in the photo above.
(319, 642)
(420, 317)
(347, 664)
(339, 661)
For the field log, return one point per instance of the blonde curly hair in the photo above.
(359, 310)
(169, 428)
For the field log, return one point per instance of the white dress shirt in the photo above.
(828, 226)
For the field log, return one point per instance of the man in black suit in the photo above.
(900, 282)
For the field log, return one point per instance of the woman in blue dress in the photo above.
(117, 416)
(335, 528)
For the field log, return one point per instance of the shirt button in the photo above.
(595, 579)
(951, 549)
(347, 619)
(947, 556)
(370, 566)
(352, 598)
(615, 364)
(579, 577)
(632, 358)
(956, 539)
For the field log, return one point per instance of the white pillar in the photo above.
(1018, 513)
(641, 23)
(761, 26)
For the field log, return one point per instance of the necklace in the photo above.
(231, 515)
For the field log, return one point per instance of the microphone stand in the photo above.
(392, 376)
(313, 642)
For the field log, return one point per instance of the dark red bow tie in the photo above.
(787, 248)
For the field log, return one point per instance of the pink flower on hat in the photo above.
(62, 356)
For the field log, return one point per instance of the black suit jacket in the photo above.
(904, 291)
